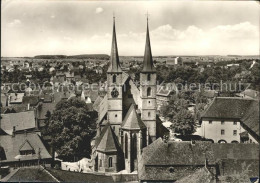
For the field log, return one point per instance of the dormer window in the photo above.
(26, 149)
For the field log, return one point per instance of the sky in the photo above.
(43, 27)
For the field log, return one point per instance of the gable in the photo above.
(26, 146)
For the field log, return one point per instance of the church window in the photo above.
(114, 78)
(148, 77)
(149, 91)
(110, 162)
(134, 147)
(116, 115)
(100, 163)
(126, 146)
(149, 114)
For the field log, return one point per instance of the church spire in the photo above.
(148, 58)
(114, 58)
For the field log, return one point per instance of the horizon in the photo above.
(72, 28)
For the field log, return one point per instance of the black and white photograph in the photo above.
(130, 91)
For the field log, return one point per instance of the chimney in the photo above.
(13, 134)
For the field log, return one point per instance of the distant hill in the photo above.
(84, 56)
(91, 56)
(50, 56)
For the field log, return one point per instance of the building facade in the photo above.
(229, 119)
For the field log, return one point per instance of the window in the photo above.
(148, 77)
(210, 122)
(134, 147)
(234, 132)
(149, 102)
(114, 78)
(171, 169)
(222, 122)
(126, 146)
(149, 92)
(222, 132)
(100, 163)
(235, 123)
(27, 152)
(149, 114)
(110, 162)
(116, 115)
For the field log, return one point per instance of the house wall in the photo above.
(213, 131)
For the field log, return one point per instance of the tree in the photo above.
(71, 127)
(177, 112)
(183, 122)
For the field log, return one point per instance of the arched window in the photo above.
(126, 146)
(100, 162)
(148, 77)
(114, 78)
(149, 92)
(110, 162)
(134, 147)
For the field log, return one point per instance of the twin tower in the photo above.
(127, 114)
(146, 101)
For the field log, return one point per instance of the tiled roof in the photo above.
(29, 174)
(227, 107)
(12, 146)
(32, 100)
(17, 108)
(251, 117)
(97, 103)
(164, 92)
(132, 120)
(160, 154)
(21, 121)
(210, 93)
(67, 176)
(103, 107)
(202, 175)
(41, 111)
(107, 141)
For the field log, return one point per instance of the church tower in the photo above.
(114, 84)
(148, 90)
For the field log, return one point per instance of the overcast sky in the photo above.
(31, 28)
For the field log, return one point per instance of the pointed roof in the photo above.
(132, 120)
(148, 58)
(114, 58)
(107, 141)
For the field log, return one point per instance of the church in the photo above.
(127, 116)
